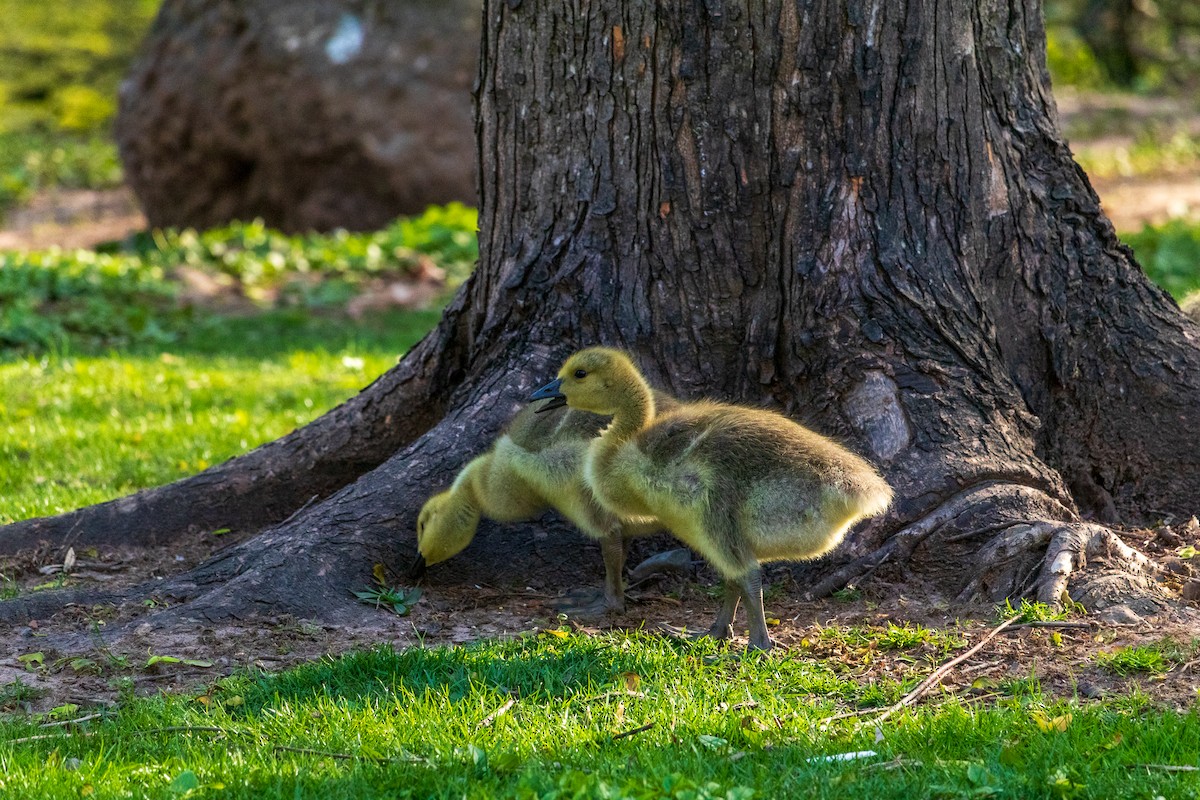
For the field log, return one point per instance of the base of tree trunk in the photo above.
(311, 576)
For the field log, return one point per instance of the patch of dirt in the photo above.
(72, 218)
(97, 668)
(1131, 203)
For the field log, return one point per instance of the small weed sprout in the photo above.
(1156, 658)
(394, 598)
(16, 692)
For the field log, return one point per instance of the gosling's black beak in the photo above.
(417, 570)
(551, 392)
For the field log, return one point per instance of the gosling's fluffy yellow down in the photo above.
(535, 465)
(738, 485)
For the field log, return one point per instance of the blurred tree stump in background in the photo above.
(307, 113)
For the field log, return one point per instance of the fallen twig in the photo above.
(862, 712)
(896, 763)
(70, 721)
(633, 732)
(490, 718)
(1050, 623)
(42, 736)
(616, 693)
(855, 756)
(941, 672)
(310, 752)
(1165, 767)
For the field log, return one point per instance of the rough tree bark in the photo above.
(863, 214)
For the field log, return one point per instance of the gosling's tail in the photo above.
(871, 495)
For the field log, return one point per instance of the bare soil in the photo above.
(72, 218)
(1131, 203)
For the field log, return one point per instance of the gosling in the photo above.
(535, 465)
(740, 486)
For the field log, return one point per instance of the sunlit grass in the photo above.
(1152, 153)
(563, 715)
(76, 430)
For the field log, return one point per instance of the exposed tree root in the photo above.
(21, 610)
(1032, 546)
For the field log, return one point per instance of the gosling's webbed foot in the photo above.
(586, 602)
(693, 635)
(764, 644)
(678, 561)
(720, 632)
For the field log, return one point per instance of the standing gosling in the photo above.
(535, 465)
(740, 486)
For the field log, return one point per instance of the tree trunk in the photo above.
(863, 215)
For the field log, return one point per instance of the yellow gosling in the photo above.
(535, 465)
(740, 486)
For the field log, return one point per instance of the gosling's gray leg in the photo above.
(722, 627)
(750, 587)
(590, 602)
(612, 547)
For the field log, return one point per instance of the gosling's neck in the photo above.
(634, 411)
(466, 496)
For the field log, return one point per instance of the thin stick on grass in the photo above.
(942, 671)
(70, 721)
(310, 752)
(615, 693)
(343, 756)
(862, 712)
(147, 732)
(633, 732)
(490, 718)
(42, 736)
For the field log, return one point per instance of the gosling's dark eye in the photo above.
(580, 373)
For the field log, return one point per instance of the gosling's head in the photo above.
(440, 534)
(593, 380)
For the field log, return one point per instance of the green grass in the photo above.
(1026, 611)
(1148, 659)
(125, 294)
(16, 692)
(1152, 152)
(60, 64)
(30, 162)
(82, 429)
(110, 384)
(1170, 254)
(544, 717)
(906, 636)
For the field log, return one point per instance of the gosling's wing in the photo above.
(746, 448)
(738, 444)
(535, 432)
